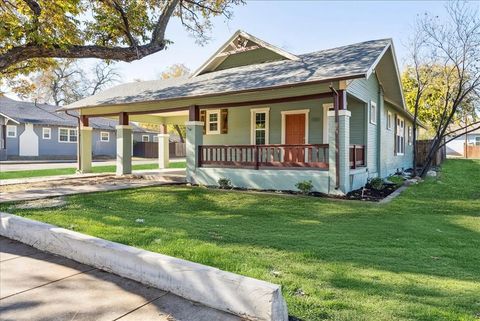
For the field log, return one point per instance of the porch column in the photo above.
(194, 139)
(124, 146)
(85, 148)
(163, 147)
(343, 149)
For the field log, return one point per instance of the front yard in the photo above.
(416, 258)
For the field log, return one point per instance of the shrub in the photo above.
(224, 183)
(397, 180)
(377, 183)
(305, 187)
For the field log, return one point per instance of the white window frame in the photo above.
(207, 120)
(9, 127)
(294, 112)
(389, 120)
(148, 138)
(155, 138)
(476, 141)
(68, 136)
(253, 130)
(400, 132)
(410, 135)
(46, 130)
(373, 114)
(105, 140)
(326, 108)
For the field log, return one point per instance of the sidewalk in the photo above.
(37, 286)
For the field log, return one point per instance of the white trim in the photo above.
(410, 135)
(326, 108)
(124, 127)
(194, 123)
(389, 120)
(402, 120)
(294, 112)
(68, 131)
(14, 129)
(207, 119)
(10, 118)
(375, 63)
(253, 113)
(46, 129)
(370, 114)
(342, 112)
(108, 137)
(148, 138)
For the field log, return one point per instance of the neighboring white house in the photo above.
(456, 147)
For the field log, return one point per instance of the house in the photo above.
(32, 130)
(266, 118)
(467, 145)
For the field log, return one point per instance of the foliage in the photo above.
(64, 82)
(224, 183)
(397, 180)
(415, 258)
(34, 31)
(175, 71)
(377, 183)
(305, 187)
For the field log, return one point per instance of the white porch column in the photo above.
(343, 150)
(124, 149)
(163, 151)
(194, 139)
(85, 150)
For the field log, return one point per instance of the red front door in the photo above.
(294, 135)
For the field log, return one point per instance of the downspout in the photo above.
(337, 137)
(79, 156)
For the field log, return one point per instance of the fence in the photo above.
(472, 151)
(150, 149)
(423, 147)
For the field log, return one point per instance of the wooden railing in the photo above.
(357, 156)
(256, 156)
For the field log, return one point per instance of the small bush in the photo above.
(377, 183)
(397, 180)
(305, 187)
(224, 183)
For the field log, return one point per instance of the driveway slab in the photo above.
(38, 286)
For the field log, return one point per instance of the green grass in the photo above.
(416, 258)
(72, 170)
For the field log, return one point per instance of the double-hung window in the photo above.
(373, 112)
(477, 141)
(11, 131)
(145, 138)
(400, 136)
(46, 133)
(410, 135)
(67, 135)
(213, 122)
(259, 126)
(104, 136)
(389, 120)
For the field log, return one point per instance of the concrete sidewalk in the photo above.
(38, 286)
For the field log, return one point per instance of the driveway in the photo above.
(33, 165)
(37, 286)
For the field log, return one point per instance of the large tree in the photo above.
(34, 31)
(443, 81)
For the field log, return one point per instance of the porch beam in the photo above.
(84, 121)
(123, 118)
(193, 113)
(267, 101)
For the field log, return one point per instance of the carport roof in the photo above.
(346, 62)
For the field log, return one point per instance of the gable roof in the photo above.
(346, 62)
(43, 114)
(239, 44)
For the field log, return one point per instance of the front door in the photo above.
(295, 135)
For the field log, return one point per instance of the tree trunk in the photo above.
(179, 132)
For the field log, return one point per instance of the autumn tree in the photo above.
(443, 81)
(32, 32)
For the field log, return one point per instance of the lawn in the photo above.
(416, 258)
(72, 170)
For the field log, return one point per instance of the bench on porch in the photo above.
(273, 156)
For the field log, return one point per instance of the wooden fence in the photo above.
(150, 149)
(423, 146)
(472, 151)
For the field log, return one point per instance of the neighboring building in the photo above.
(32, 130)
(465, 143)
(266, 119)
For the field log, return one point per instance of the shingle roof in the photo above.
(42, 114)
(342, 62)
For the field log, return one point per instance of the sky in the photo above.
(296, 26)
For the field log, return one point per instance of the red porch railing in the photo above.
(256, 156)
(357, 156)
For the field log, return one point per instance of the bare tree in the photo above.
(450, 51)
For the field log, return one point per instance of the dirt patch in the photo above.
(42, 203)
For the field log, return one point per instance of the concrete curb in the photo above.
(392, 196)
(246, 297)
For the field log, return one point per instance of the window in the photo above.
(373, 112)
(104, 136)
(213, 122)
(259, 126)
(67, 135)
(155, 138)
(477, 141)
(410, 135)
(46, 133)
(11, 131)
(400, 137)
(389, 120)
(145, 138)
